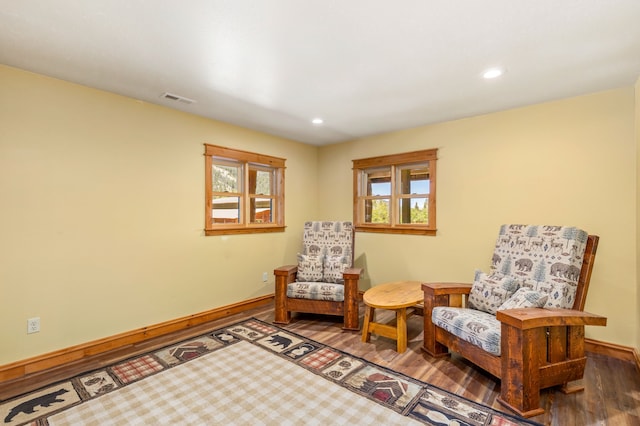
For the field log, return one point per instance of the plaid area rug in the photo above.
(249, 373)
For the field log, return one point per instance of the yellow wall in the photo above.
(101, 228)
(101, 225)
(569, 162)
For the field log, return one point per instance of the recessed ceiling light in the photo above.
(493, 73)
(317, 121)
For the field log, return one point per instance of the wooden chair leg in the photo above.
(429, 344)
(520, 379)
(351, 320)
(574, 350)
(282, 315)
(351, 310)
(571, 387)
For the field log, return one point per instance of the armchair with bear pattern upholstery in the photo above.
(524, 321)
(324, 281)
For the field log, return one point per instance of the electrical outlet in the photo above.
(33, 325)
(264, 277)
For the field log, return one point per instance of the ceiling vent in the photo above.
(177, 98)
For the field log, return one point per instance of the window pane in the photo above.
(261, 210)
(244, 192)
(376, 211)
(260, 181)
(377, 181)
(414, 179)
(227, 178)
(226, 209)
(414, 210)
(396, 193)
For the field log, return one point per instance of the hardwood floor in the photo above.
(612, 386)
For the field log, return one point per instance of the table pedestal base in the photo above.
(397, 332)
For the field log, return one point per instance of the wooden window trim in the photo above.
(247, 159)
(395, 160)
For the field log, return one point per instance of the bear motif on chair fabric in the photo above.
(324, 281)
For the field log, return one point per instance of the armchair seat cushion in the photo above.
(316, 291)
(477, 327)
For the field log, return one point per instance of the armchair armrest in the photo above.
(438, 289)
(352, 273)
(528, 318)
(285, 275)
(444, 294)
(439, 294)
(286, 270)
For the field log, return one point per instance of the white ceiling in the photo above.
(364, 66)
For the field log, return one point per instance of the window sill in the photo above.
(252, 230)
(395, 230)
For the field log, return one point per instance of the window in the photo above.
(396, 193)
(244, 192)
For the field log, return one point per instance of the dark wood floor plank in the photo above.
(621, 390)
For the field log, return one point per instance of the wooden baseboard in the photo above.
(20, 369)
(625, 353)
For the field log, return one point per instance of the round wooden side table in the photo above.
(396, 296)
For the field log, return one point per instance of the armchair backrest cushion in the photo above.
(332, 243)
(544, 258)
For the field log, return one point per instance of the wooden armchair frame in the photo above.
(540, 348)
(284, 306)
